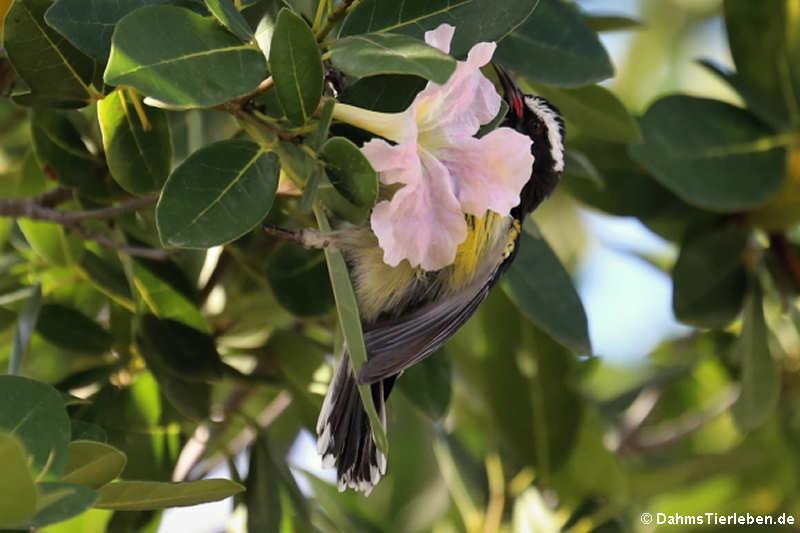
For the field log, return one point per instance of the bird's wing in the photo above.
(394, 346)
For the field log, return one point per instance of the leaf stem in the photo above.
(146, 126)
(334, 17)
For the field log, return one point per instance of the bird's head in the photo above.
(540, 120)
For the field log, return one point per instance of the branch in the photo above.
(41, 208)
(35, 209)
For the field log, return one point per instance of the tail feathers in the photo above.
(344, 435)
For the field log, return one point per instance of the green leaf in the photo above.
(87, 431)
(263, 494)
(595, 111)
(59, 147)
(388, 53)
(34, 412)
(555, 46)
(88, 24)
(318, 136)
(475, 20)
(17, 491)
(340, 206)
(185, 352)
(54, 70)
(150, 495)
(217, 194)
(760, 378)
(299, 279)
(139, 159)
(182, 59)
(350, 321)
(495, 122)
(350, 171)
(389, 94)
(140, 423)
(614, 182)
(762, 107)
(60, 501)
(26, 322)
(707, 153)
(610, 23)
(168, 348)
(67, 328)
(91, 520)
(544, 292)
(108, 278)
(428, 385)
(296, 67)
(710, 279)
(766, 53)
(230, 17)
(164, 300)
(266, 26)
(93, 463)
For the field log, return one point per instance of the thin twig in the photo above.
(245, 438)
(670, 432)
(102, 240)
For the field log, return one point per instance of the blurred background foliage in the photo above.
(684, 166)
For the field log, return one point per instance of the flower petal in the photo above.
(491, 171)
(423, 222)
(461, 105)
(441, 37)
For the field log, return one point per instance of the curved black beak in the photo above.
(513, 94)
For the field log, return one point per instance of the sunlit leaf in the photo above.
(139, 159)
(147, 495)
(92, 463)
(17, 491)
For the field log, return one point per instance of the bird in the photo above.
(408, 313)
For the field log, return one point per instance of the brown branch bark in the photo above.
(42, 208)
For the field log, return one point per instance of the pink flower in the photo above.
(445, 171)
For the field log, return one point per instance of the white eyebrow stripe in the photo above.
(553, 124)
